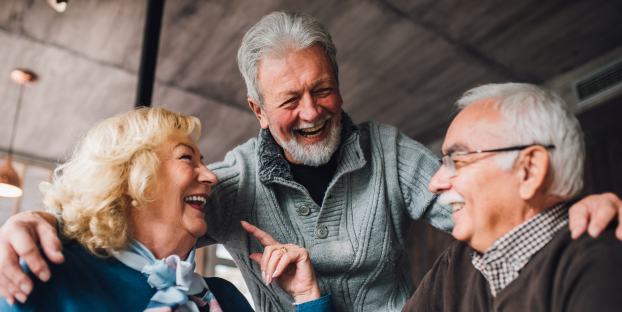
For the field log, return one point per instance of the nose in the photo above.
(440, 181)
(206, 176)
(309, 108)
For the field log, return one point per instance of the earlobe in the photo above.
(259, 112)
(533, 165)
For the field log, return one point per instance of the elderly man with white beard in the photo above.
(313, 178)
(513, 159)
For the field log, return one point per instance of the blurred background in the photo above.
(401, 62)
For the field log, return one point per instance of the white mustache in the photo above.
(450, 197)
(315, 124)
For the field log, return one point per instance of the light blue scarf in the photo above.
(174, 279)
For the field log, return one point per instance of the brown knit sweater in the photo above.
(566, 275)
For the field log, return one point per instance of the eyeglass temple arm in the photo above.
(516, 148)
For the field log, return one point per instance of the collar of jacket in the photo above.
(272, 162)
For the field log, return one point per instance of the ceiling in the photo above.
(401, 62)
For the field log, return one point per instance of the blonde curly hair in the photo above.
(117, 156)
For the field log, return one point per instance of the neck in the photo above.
(164, 242)
(513, 217)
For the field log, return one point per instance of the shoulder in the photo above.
(604, 251)
(589, 273)
(390, 136)
(449, 281)
(238, 163)
(456, 258)
(76, 259)
(453, 265)
(84, 280)
(375, 130)
(245, 153)
(63, 280)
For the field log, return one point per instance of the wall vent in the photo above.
(602, 82)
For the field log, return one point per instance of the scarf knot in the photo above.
(173, 278)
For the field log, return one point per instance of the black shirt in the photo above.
(315, 179)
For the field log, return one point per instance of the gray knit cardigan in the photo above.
(356, 239)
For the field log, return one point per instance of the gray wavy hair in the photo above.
(537, 116)
(276, 34)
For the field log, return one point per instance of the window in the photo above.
(216, 261)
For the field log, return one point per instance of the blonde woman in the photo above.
(131, 200)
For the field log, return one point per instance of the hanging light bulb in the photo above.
(10, 183)
(9, 180)
(58, 5)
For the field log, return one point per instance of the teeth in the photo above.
(195, 199)
(456, 206)
(312, 136)
(316, 128)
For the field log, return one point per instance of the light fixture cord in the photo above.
(19, 106)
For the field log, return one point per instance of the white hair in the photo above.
(537, 116)
(116, 156)
(276, 34)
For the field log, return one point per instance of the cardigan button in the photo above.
(321, 231)
(304, 210)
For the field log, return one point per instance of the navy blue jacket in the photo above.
(85, 282)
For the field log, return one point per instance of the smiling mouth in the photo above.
(456, 206)
(312, 133)
(196, 201)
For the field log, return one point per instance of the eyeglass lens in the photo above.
(449, 165)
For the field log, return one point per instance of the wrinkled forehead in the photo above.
(477, 127)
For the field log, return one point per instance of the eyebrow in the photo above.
(456, 147)
(188, 146)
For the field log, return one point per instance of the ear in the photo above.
(532, 165)
(259, 112)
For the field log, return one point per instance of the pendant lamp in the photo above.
(10, 183)
(59, 5)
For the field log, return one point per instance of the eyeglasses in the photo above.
(448, 160)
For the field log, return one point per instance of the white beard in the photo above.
(315, 154)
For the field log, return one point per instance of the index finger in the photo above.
(24, 246)
(50, 243)
(578, 218)
(263, 237)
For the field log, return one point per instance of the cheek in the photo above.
(181, 177)
(332, 104)
(284, 121)
(337, 102)
(489, 196)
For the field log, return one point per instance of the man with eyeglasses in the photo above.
(312, 177)
(513, 159)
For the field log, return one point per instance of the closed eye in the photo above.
(324, 91)
(186, 157)
(289, 101)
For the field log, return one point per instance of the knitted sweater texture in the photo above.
(357, 237)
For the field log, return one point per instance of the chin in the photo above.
(460, 234)
(197, 229)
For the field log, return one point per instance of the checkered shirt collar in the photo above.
(503, 261)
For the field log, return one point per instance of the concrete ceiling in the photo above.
(401, 62)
